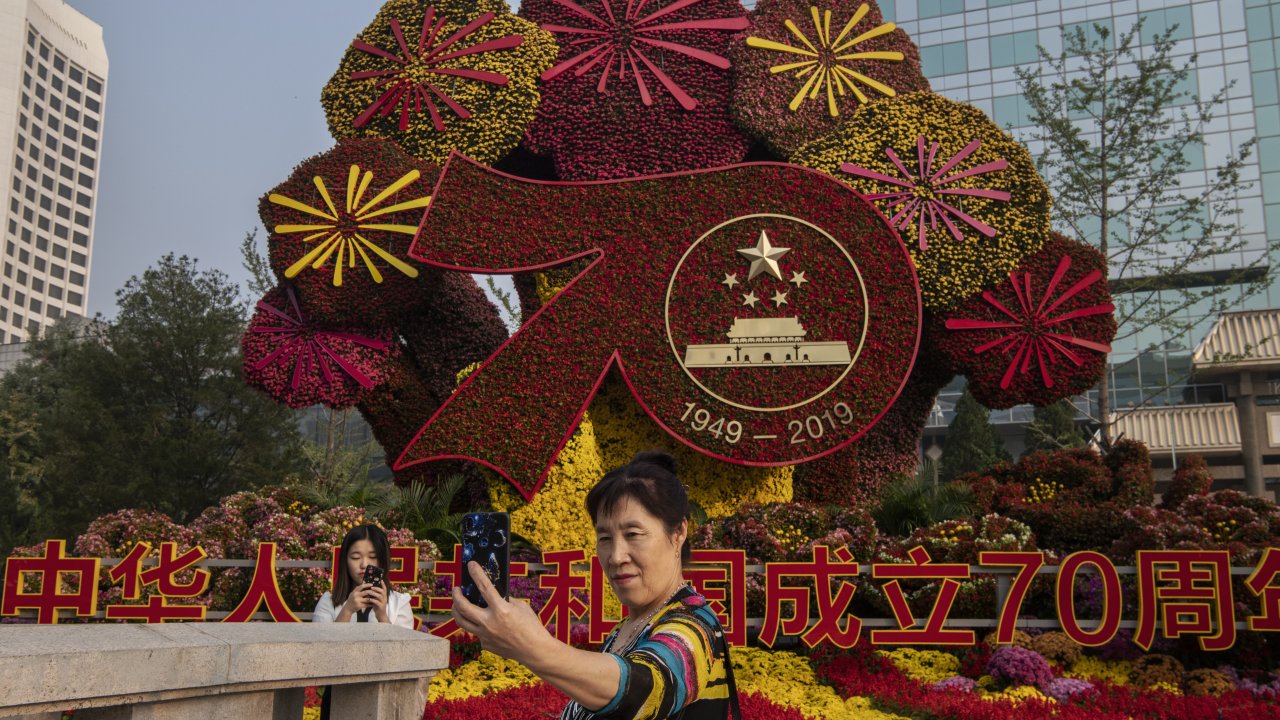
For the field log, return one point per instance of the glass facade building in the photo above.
(970, 50)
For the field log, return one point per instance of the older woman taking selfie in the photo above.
(668, 658)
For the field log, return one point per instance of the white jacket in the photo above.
(398, 610)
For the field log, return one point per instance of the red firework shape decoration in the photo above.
(411, 91)
(1040, 336)
(298, 363)
(615, 39)
(922, 190)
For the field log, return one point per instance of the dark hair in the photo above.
(342, 583)
(649, 479)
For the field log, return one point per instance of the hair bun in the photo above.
(656, 457)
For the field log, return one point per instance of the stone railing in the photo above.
(213, 670)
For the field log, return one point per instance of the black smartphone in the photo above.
(486, 539)
(375, 575)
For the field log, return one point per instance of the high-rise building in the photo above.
(969, 51)
(53, 85)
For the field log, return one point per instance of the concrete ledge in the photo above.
(47, 668)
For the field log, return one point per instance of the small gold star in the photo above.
(798, 278)
(779, 298)
(750, 299)
(764, 257)
(730, 279)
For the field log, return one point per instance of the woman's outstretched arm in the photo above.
(513, 630)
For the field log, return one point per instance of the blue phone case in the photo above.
(486, 538)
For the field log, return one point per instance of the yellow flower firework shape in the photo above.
(341, 232)
(821, 69)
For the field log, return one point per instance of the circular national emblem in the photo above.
(767, 312)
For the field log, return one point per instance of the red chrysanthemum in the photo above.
(1042, 335)
(638, 88)
(299, 362)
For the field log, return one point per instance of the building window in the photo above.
(59, 252)
(79, 259)
(95, 85)
(945, 59)
(80, 239)
(55, 292)
(77, 279)
(63, 212)
(89, 142)
(91, 124)
(59, 63)
(936, 8)
(84, 200)
(73, 114)
(1174, 19)
(57, 270)
(74, 298)
(60, 231)
(77, 75)
(1017, 48)
(92, 105)
(87, 161)
(82, 219)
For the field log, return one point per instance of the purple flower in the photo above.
(1063, 689)
(1013, 665)
(956, 682)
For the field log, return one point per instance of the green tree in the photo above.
(1119, 125)
(1053, 427)
(972, 442)
(914, 501)
(149, 410)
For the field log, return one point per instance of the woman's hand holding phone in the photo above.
(376, 598)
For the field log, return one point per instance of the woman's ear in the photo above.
(681, 533)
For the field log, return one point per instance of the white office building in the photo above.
(53, 85)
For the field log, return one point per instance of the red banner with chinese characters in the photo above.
(1179, 593)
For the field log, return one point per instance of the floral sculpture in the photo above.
(440, 76)
(582, 91)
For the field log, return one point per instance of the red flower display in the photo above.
(634, 83)
(300, 363)
(805, 65)
(1041, 336)
(340, 229)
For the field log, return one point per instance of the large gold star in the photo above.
(764, 257)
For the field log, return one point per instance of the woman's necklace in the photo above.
(634, 629)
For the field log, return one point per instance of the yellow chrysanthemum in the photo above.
(964, 195)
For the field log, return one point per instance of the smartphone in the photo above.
(486, 539)
(375, 575)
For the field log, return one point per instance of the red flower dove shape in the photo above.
(517, 410)
(615, 41)
(408, 82)
(923, 190)
(1029, 333)
(301, 364)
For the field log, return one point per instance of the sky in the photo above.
(209, 105)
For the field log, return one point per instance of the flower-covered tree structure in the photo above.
(805, 65)
(609, 90)
(638, 88)
(300, 363)
(1041, 335)
(341, 227)
(441, 76)
(964, 195)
